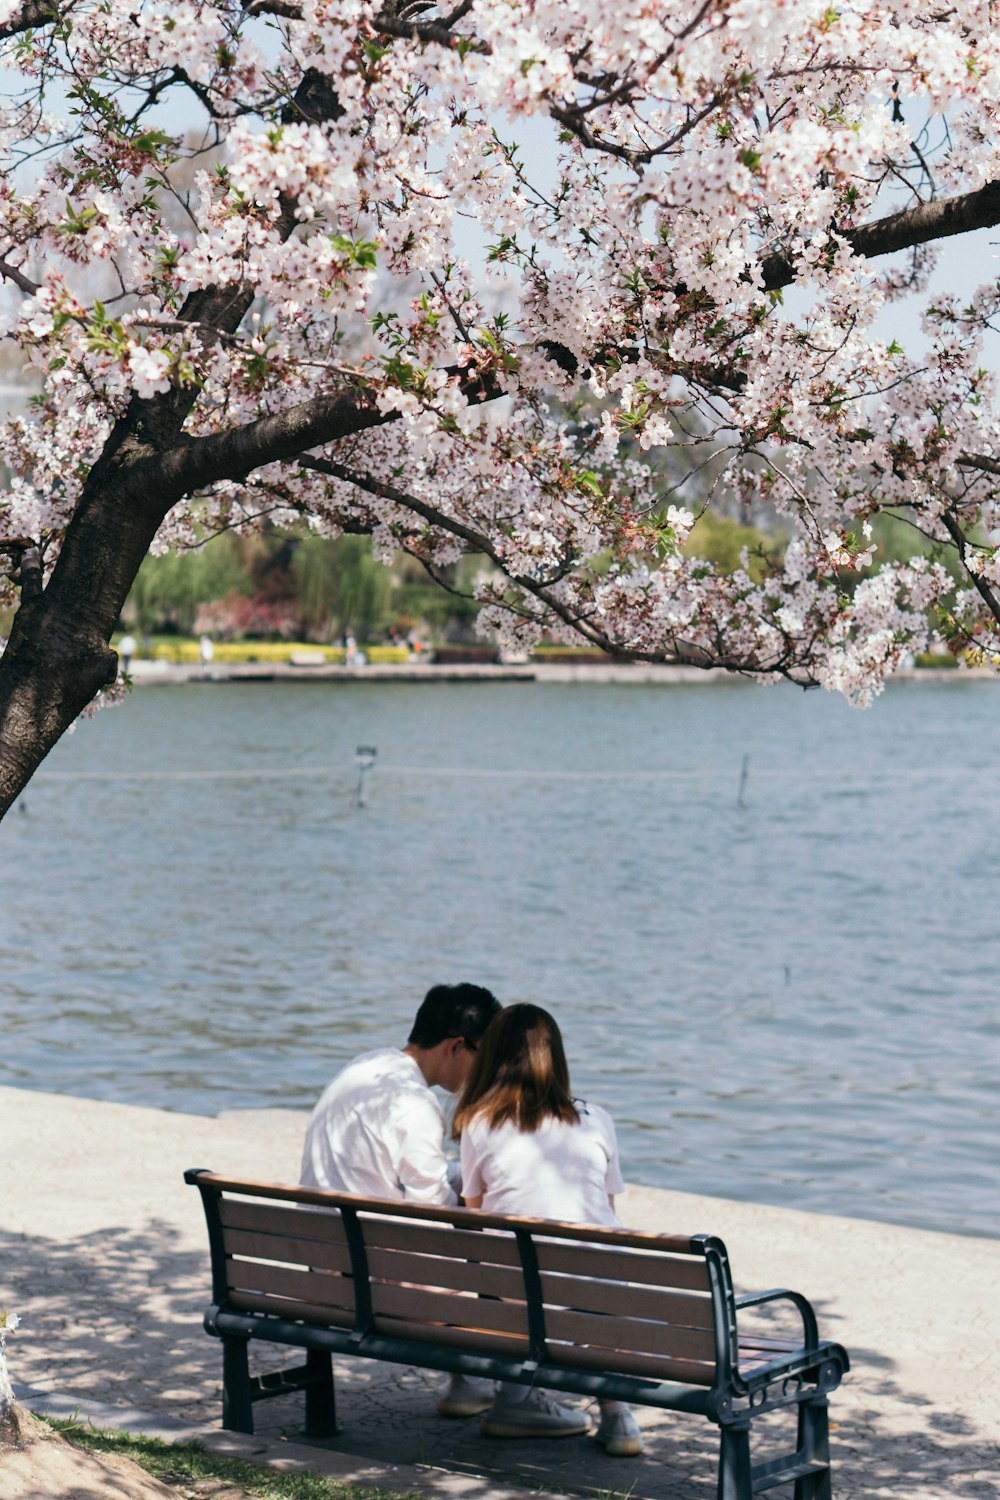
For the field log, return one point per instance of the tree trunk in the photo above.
(58, 656)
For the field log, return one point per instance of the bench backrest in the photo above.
(528, 1289)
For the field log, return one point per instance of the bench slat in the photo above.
(319, 1288)
(583, 1295)
(607, 1263)
(298, 1312)
(427, 1239)
(435, 1271)
(589, 1233)
(273, 1218)
(509, 1346)
(327, 1257)
(629, 1333)
(618, 1362)
(436, 1308)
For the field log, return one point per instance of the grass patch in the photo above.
(189, 1466)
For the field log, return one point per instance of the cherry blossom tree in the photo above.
(450, 275)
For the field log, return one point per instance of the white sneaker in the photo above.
(465, 1397)
(619, 1432)
(536, 1416)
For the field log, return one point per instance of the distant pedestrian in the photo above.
(126, 651)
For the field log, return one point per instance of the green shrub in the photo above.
(936, 659)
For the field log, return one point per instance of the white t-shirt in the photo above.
(379, 1130)
(559, 1171)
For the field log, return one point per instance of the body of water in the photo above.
(787, 996)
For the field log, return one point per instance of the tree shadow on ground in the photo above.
(114, 1317)
(885, 1441)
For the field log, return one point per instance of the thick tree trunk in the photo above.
(47, 677)
(58, 657)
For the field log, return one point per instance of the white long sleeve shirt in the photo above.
(379, 1130)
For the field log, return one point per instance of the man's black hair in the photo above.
(450, 1010)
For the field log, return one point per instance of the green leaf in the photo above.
(363, 253)
(150, 141)
(636, 416)
(589, 482)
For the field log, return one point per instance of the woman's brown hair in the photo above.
(520, 1073)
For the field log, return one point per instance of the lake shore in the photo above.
(103, 1254)
(165, 673)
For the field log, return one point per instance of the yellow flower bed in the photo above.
(188, 652)
(380, 655)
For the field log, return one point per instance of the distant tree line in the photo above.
(272, 585)
(276, 586)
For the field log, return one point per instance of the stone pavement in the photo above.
(103, 1253)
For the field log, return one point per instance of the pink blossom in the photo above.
(594, 272)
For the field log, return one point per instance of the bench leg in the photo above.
(814, 1446)
(735, 1482)
(321, 1401)
(237, 1405)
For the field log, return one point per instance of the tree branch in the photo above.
(982, 587)
(274, 8)
(276, 438)
(937, 220)
(11, 273)
(428, 31)
(978, 461)
(30, 14)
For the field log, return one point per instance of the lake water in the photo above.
(791, 1001)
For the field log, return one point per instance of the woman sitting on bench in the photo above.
(529, 1148)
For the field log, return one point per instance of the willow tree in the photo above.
(448, 275)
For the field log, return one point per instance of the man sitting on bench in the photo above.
(378, 1130)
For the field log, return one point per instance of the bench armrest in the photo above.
(810, 1332)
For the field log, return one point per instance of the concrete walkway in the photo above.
(103, 1253)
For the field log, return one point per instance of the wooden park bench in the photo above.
(645, 1318)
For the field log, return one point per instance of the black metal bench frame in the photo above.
(799, 1377)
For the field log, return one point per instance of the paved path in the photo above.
(103, 1254)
